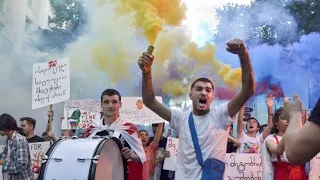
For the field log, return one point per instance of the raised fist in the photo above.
(237, 46)
(145, 62)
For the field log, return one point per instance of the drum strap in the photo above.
(116, 134)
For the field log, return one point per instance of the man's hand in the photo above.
(269, 101)
(237, 46)
(53, 136)
(291, 109)
(126, 153)
(166, 154)
(145, 62)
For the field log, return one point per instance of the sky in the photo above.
(203, 12)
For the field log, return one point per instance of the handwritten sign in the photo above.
(82, 120)
(134, 110)
(50, 83)
(243, 166)
(37, 150)
(81, 113)
(238, 166)
(172, 146)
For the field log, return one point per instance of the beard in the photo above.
(203, 111)
(20, 131)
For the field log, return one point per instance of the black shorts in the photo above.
(315, 114)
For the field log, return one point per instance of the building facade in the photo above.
(17, 19)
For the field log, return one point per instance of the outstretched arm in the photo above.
(238, 47)
(148, 97)
(273, 147)
(240, 120)
(236, 142)
(269, 104)
(301, 143)
(158, 135)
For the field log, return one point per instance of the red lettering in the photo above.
(173, 146)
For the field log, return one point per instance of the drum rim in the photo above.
(92, 171)
(48, 153)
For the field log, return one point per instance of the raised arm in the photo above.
(269, 104)
(240, 120)
(301, 143)
(158, 135)
(145, 62)
(273, 147)
(236, 142)
(238, 47)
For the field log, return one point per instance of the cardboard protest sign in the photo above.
(79, 114)
(37, 151)
(50, 82)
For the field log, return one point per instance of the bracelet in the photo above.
(147, 74)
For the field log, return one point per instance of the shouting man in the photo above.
(210, 126)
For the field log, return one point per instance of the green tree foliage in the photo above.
(307, 13)
(68, 23)
(269, 21)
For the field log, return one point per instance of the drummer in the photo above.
(113, 125)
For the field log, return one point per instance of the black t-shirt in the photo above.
(230, 147)
(315, 114)
(35, 139)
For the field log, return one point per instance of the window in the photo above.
(28, 25)
(1, 5)
(30, 4)
(49, 19)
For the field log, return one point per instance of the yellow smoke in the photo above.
(206, 56)
(111, 46)
(151, 15)
(175, 87)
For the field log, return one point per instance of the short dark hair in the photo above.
(110, 92)
(144, 131)
(202, 80)
(30, 121)
(7, 122)
(261, 127)
(275, 119)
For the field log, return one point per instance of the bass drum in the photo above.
(84, 159)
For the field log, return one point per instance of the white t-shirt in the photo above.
(249, 144)
(212, 130)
